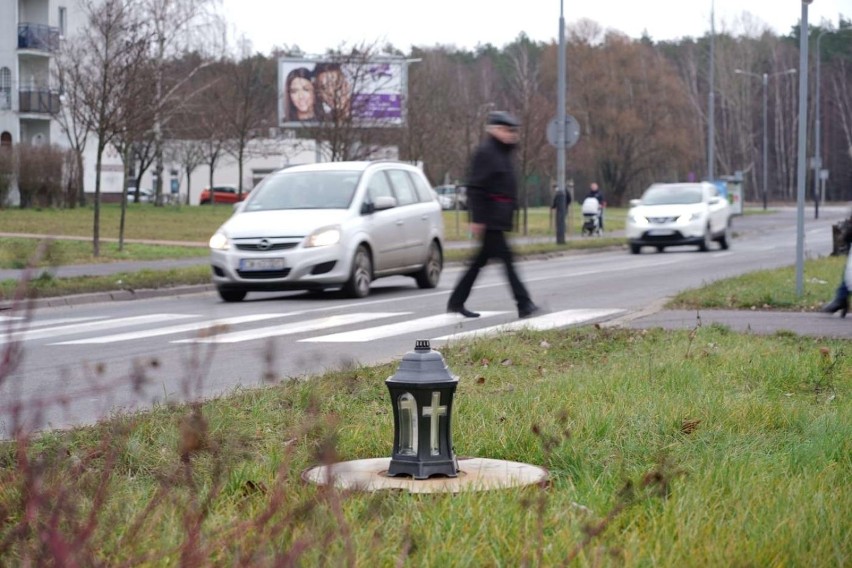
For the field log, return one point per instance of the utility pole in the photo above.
(711, 102)
(560, 135)
(802, 160)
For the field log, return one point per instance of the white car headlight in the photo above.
(220, 241)
(323, 237)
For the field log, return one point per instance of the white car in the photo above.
(450, 196)
(673, 214)
(330, 225)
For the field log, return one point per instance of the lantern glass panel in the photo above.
(407, 425)
(434, 413)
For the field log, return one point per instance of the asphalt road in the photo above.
(79, 363)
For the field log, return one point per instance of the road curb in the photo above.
(651, 309)
(118, 295)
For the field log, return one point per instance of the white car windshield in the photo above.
(304, 190)
(677, 195)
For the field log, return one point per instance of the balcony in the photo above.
(38, 37)
(41, 101)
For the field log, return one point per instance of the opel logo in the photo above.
(264, 244)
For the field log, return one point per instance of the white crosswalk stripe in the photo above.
(547, 321)
(207, 328)
(220, 330)
(295, 327)
(390, 330)
(84, 327)
(18, 322)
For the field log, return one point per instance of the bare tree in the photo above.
(112, 45)
(245, 103)
(189, 154)
(534, 108)
(178, 26)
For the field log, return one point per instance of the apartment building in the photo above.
(30, 35)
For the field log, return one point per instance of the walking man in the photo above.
(492, 193)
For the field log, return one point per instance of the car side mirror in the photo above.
(635, 202)
(714, 200)
(384, 202)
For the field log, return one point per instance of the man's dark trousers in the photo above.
(494, 245)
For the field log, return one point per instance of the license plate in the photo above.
(250, 264)
(660, 233)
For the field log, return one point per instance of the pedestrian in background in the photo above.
(594, 191)
(492, 196)
(555, 205)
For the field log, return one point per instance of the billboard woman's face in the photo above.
(302, 95)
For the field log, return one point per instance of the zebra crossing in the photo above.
(178, 328)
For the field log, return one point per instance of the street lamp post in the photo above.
(801, 158)
(817, 153)
(765, 79)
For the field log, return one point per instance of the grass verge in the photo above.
(702, 448)
(769, 289)
(17, 253)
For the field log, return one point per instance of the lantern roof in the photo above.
(423, 366)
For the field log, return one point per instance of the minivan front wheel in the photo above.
(429, 275)
(358, 285)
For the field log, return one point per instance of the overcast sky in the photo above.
(318, 25)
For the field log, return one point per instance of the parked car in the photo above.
(330, 225)
(450, 195)
(675, 214)
(145, 195)
(222, 194)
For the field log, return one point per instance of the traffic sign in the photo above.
(572, 131)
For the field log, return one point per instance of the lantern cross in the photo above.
(434, 414)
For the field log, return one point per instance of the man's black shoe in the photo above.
(528, 311)
(463, 311)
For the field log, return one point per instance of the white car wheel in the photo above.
(358, 285)
(430, 274)
(725, 240)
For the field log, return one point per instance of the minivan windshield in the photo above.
(672, 195)
(304, 190)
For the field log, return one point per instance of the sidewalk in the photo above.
(759, 322)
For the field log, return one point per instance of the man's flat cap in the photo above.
(503, 118)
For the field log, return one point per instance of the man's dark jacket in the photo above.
(492, 187)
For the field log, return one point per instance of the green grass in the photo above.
(769, 289)
(21, 252)
(143, 221)
(540, 222)
(708, 448)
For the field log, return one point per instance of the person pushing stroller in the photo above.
(592, 208)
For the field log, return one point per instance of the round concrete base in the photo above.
(475, 474)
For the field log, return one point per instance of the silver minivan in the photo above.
(330, 225)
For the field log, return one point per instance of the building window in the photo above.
(6, 140)
(63, 21)
(5, 88)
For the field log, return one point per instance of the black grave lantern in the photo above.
(422, 397)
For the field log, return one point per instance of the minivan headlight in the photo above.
(219, 241)
(323, 237)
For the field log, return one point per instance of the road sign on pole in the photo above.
(572, 131)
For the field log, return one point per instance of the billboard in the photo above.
(316, 92)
